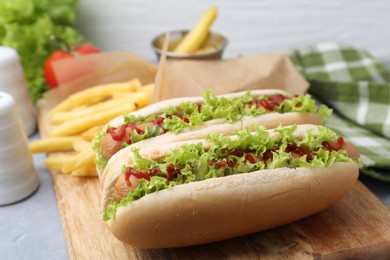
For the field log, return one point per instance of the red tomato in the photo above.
(50, 77)
(48, 70)
(86, 49)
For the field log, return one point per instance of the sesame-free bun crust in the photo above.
(227, 207)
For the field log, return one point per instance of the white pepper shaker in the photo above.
(13, 82)
(18, 178)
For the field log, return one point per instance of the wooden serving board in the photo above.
(357, 227)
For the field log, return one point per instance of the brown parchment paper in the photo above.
(91, 70)
(96, 69)
(181, 78)
(177, 78)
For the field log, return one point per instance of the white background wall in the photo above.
(253, 27)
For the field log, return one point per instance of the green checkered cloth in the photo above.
(357, 86)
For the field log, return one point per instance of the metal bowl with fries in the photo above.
(213, 47)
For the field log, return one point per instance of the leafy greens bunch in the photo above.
(26, 26)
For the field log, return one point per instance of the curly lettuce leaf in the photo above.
(195, 161)
(150, 131)
(145, 187)
(26, 25)
(175, 124)
(100, 161)
(230, 109)
(137, 119)
(141, 162)
(233, 109)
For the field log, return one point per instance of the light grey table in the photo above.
(31, 229)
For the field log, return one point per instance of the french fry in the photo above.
(60, 117)
(194, 39)
(68, 167)
(148, 88)
(120, 94)
(94, 95)
(85, 172)
(82, 145)
(79, 125)
(83, 159)
(89, 134)
(80, 117)
(53, 144)
(57, 162)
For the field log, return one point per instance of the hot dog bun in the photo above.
(161, 105)
(221, 208)
(114, 165)
(269, 120)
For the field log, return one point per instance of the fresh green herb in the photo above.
(100, 161)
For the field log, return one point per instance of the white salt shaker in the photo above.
(18, 178)
(13, 82)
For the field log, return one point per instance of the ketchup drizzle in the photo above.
(119, 134)
(136, 173)
(172, 171)
(271, 103)
(122, 134)
(250, 156)
(334, 146)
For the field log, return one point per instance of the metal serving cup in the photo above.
(215, 40)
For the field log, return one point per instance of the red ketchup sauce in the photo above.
(271, 103)
(172, 172)
(251, 157)
(334, 146)
(123, 133)
(140, 174)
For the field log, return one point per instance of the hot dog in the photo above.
(194, 117)
(220, 187)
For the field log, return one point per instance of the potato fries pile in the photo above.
(77, 119)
